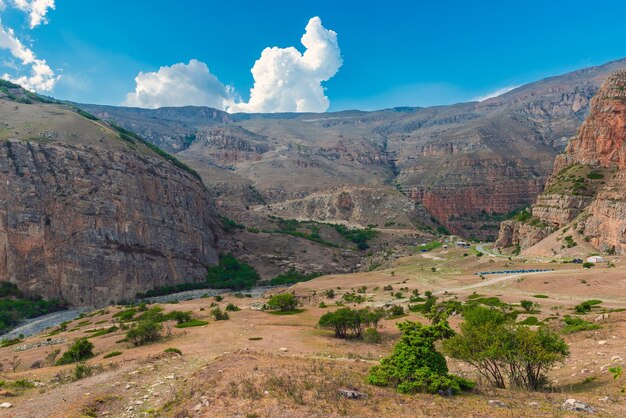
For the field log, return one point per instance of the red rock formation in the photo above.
(596, 207)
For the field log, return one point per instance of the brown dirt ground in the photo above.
(224, 373)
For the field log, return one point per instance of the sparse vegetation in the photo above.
(575, 324)
(112, 354)
(219, 315)
(293, 276)
(81, 350)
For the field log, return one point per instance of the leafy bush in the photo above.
(330, 293)
(371, 336)
(230, 225)
(586, 306)
(232, 274)
(498, 348)
(219, 315)
(588, 265)
(180, 317)
(284, 302)
(569, 242)
(352, 297)
(293, 276)
(575, 324)
(173, 350)
(16, 306)
(231, 307)
(527, 305)
(346, 322)
(146, 331)
(415, 365)
(81, 350)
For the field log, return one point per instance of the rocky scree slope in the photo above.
(469, 165)
(587, 190)
(90, 215)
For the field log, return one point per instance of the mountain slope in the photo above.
(468, 164)
(586, 194)
(91, 215)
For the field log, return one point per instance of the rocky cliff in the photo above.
(587, 190)
(469, 164)
(92, 216)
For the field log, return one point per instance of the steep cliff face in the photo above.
(470, 164)
(587, 190)
(90, 218)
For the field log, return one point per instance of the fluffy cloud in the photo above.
(286, 80)
(41, 77)
(179, 85)
(36, 9)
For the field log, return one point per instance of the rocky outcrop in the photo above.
(355, 206)
(587, 189)
(92, 219)
(470, 163)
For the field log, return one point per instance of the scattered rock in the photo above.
(534, 404)
(616, 358)
(602, 317)
(577, 406)
(499, 404)
(5, 405)
(601, 342)
(283, 349)
(351, 394)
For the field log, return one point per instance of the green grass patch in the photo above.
(541, 296)
(575, 324)
(173, 350)
(292, 312)
(112, 354)
(192, 323)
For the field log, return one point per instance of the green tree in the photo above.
(503, 351)
(347, 322)
(415, 365)
(527, 305)
(145, 332)
(81, 350)
(284, 302)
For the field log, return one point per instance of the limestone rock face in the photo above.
(92, 219)
(588, 186)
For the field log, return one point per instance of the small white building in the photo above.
(595, 259)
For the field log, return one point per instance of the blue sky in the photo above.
(394, 53)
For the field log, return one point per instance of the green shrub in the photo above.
(293, 276)
(231, 307)
(219, 315)
(586, 306)
(192, 323)
(284, 302)
(322, 305)
(527, 305)
(173, 350)
(347, 322)
(588, 265)
(395, 311)
(352, 297)
(575, 324)
(569, 242)
(112, 354)
(531, 320)
(415, 365)
(371, 336)
(144, 332)
(180, 317)
(81, 350)
(330, 293)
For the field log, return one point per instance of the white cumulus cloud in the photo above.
(36, 9)
(286, 80)
(179, 85)
(41, 77)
